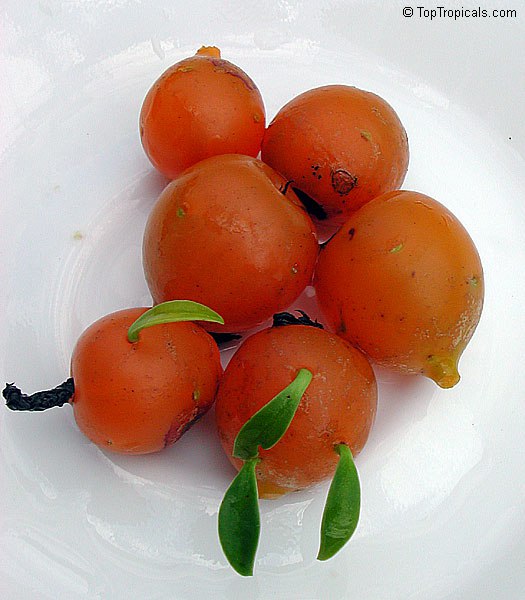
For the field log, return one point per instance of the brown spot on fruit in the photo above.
(343, 182)
(182, 424)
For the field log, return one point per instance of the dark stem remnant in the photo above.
(343, 182)
(223, 338)
(285, 318)
(16, 400)
(312, 207)
(285, 187)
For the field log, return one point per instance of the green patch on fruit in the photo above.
(366, 135)
(396, 249)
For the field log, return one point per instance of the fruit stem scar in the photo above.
(343, 182)
(212, 51)
(58, 396)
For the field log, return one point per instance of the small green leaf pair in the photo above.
(239, 519)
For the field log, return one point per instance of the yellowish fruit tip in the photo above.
(211, 51)
(442, 370)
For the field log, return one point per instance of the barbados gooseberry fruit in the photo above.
(200, 107)
(402, 280)
(139, 378)
(231, 234)
(341, 147)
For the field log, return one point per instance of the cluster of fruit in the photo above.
(231, 242)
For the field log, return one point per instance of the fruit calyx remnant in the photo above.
(285, 318)
(443, 370)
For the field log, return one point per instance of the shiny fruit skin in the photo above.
(403, 281)
(137, 398)
(223, 234)
(338, 406)
(200, 107)
(340, 145)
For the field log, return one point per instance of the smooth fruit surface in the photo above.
(338, 406)
(200, 107)
(228, 233)
(140, 397)
(403, 281)
(340, 145)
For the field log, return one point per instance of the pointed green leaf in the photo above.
(268, 425)
(171, 312)
(239, 520)
(341, 511)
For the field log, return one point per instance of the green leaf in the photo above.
(341, 511)
(268, 425)
(171, 312)
(239, 520)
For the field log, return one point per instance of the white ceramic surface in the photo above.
(443, 473)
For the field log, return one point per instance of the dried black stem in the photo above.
(16, 400)
(224, 337)
(285, 318)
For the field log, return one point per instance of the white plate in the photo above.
(443, 473)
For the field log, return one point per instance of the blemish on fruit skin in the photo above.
(181, 212)
(343, 182)
(351, 233)
(185, 69)
(366, 135)
(182, 424)
(377, 112)
(295, 269)
(256, 118)
(196, 395)
(396, 249)
(315, 171)
(473, 281)
(223, 66)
